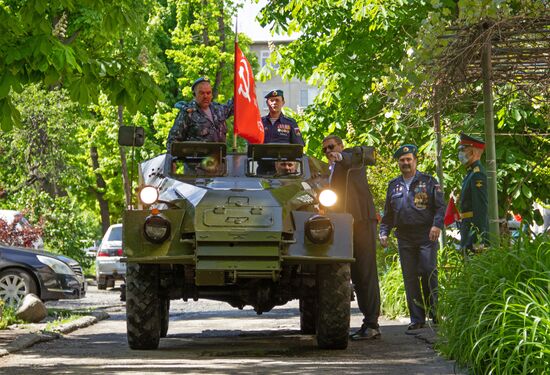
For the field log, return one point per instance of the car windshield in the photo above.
(116, 234)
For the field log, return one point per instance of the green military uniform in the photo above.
(473, 207)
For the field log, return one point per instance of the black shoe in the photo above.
(413, 328)
(366, 333)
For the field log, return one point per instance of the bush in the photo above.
(495, 316)
(392, 287)
(393, 302)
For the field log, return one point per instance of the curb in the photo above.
(26, 340)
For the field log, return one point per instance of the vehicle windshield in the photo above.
(275, 160)
(200, 166)
(198, 159)
(276, 168)
(116, 234)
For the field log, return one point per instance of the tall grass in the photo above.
(393, 302)
(495, 311)
(392, 287)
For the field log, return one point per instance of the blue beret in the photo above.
(200, 80)
(405, 149)
(274, 93)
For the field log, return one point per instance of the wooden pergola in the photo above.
(513, 51)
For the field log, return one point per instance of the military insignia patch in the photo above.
(438, 188)
(421, 200)
(476, 169)
(479, 183)
(296, 131)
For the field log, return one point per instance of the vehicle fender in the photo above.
(338, 249)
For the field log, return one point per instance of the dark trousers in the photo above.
(419, 265)
(364, 273)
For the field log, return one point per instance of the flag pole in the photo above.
(235, 83)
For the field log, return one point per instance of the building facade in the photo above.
(298, 94)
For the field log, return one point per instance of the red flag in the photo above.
(248, 123)
(451, 214)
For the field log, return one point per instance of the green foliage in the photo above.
(372, 62)
(7, 316)
(203, 44)
(393, 302)
(85, 46)
(495, 313)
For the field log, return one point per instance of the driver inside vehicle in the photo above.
(285, 168)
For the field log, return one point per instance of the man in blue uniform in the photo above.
(473, 197)
(415, 207)
(277, 127)
(201, 119)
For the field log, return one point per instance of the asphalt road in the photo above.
(208, 337)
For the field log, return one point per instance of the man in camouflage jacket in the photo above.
(201, 119)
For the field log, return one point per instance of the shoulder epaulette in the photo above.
(393, 180)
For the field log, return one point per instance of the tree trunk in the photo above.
(99, 191)
(221, 30)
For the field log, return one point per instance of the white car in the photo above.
(107, 262)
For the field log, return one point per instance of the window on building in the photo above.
(264, 55)
(304, 98)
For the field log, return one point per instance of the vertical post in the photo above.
(438, 147)
(486, 71)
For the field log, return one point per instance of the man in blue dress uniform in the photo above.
(473, 197)
(415, 207)
(279, 128)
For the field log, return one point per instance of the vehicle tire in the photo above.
(333, 290)
(15, 284)
(164, 316)
(308, 315)
(142, 306)
(101, 283)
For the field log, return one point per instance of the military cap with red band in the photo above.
(466, 140)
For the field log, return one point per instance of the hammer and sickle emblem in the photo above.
(244, 73)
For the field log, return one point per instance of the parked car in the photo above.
(49, 276)
(14, 216)
(90, 249)
(108, 266)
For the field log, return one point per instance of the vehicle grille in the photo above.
(77, 269)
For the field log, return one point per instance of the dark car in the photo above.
(49, 276)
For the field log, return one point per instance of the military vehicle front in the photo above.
(241, 228)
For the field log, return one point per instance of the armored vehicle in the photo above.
(244, 228)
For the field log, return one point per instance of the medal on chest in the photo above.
(421, 196)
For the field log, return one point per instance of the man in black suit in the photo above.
(355, 197)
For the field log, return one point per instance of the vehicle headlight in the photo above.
(156, 228)
(148, 194)
(328, 198)
(56, 265)
(318, 229)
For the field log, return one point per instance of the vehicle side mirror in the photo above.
(131, 136)
(363, 156)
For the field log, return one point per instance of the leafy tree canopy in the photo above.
(84, 46)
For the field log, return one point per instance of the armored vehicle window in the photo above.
(275, 160)
(198, 159)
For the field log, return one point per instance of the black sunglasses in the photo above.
(328, 147)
